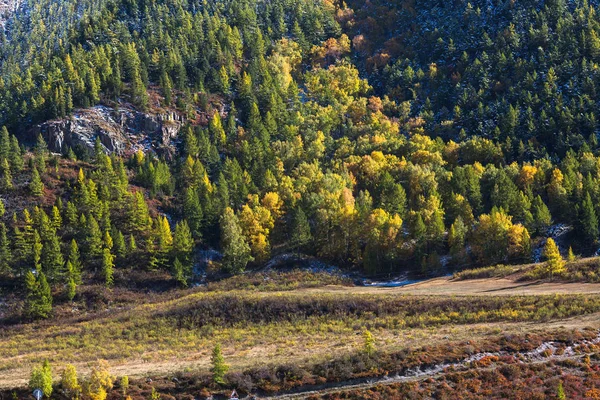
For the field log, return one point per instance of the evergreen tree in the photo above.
(571, 256)
(588, 219)
(541, 215)
(41, 378)
(369, 345)
(179, 273)
(300, 229)
(36, 187)
(94, 237)
(5, 252)
(75, 261)
(38, 302)
(193, 212)
(6, 179)
(554, 262)
(69, 382)
(107, 267)
(218, 366)
(236, 251)
(52, 258)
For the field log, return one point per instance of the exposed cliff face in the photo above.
(7, 7)
(121, 130)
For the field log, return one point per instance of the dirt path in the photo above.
(482, 287)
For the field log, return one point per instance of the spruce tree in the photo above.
(301, 235)
(6, 179)
(38, 303)
(5, 252)
(588, 219)
(218, 366)
(193, 212)
(75, 260)
(94, 237)
(236, 251)
(36, 187)
(107, 267)
(541, 215)
(41, 378)
(554, 262)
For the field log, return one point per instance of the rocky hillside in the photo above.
(7, 7)
(121, 130)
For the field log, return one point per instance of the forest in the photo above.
(380, 137)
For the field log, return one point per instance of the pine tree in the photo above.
(456, 237)
(16, 157)
(369, 343)
(541, 215)
(107, 267)
(131, 245)
(560, 392)
(52, 258)
(38, 302)
(94, 237)
(5, 252)
(193, 212)
(179, 273)
(218, 366)
(554, 262)
(236, 251)
(301, 235)
(36, 187)
(120, 247)
(41, 378)
(6, 179)
(571, 256)
(71, 285)
(41, 153)
(183, 245)
(37, 251)
(588, 219)
(69, 382)
(75, 260)
(4, 143)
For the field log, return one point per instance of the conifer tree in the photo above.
(94, 237)
(74, 260)
(52, 258)
(571, 256)
(107, 267)
(38, 302)
(193, 212)
(369, 344)
(588, 219)
(179, 273)
(41, 378)
(36, 186)
(554, 262)
(37, 247)
(119, 244)
(218, 366)
(16, 157)
(5, 252)
(541, 215)
(300, 230)
(69, 381)
(236, 251)
(6, 179)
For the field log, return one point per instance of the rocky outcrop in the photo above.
(7, 7)
(119, 130)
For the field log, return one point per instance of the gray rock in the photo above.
(119, 130)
